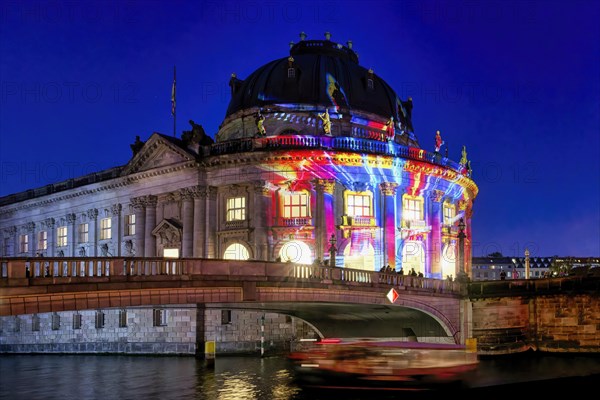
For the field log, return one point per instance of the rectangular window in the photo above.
(17, 324)
(295, 205)
(105, 231)
(24, 243)
(412, 209)
(130, 225)
(42, 240)
(225, 317)
(160, 317)
(99, 320)
(35, 323)
(55, 321)
(291, 73)
(122, 318)
(449, 214)
(236, 209)
(83, 233)
(77, 321)
(62, 236)
(359, 205)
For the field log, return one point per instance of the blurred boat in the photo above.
(384, 365)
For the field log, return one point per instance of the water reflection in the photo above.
(32, 377)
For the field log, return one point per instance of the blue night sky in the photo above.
(517, 82)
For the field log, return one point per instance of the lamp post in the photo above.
(461, 249)
(332, 250)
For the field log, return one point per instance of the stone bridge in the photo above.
(337, 302)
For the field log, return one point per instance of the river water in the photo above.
(108, 377)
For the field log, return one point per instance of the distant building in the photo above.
(489, 268)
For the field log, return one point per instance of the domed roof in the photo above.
(317, 72)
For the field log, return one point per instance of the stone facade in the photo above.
(141, 333)
(558, 323)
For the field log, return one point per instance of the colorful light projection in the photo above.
(364, 246)
(335, 92)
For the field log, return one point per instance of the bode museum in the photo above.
(315, 161)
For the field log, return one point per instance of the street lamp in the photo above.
(332, 250)
(461, 248)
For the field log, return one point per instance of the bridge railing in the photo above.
(48, 271)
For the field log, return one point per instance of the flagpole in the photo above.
(174, 95)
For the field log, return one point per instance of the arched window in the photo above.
(236, 251)
(297, 252)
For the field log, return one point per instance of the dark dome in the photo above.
(325, 73)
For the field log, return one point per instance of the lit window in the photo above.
(359, 205)
(130, 225)
(105, 232)
(62, 236)
(295, 205)
(24, 243)
(42, 240)
(236, 209)
(412, 208)
(160, 317)
(449, 213)
(83, 233)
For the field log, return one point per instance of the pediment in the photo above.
(157, 152)
(168, 232)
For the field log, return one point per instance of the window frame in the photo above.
(350, 203)
(62, 236)
(233, 211)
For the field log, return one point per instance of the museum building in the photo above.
(316, 158)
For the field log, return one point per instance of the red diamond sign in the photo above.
(392, 295)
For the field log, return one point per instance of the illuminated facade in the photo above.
(313, 147)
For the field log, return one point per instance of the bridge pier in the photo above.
(200, 331)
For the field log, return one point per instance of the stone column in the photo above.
(261, 220)
(140, 225)
(11, 233)
(198, 248)
(388, 190)
(149, 240)
(117, 227)
(92, 215)
(317, 205)
(327, 216)
(435, 237)
(72, 233)
(187, 238)
(211, 213)
(469, 238)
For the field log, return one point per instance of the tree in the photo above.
(495, 254)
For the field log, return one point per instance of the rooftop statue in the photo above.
(326, 122)
(197, 135)
(260, 124)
